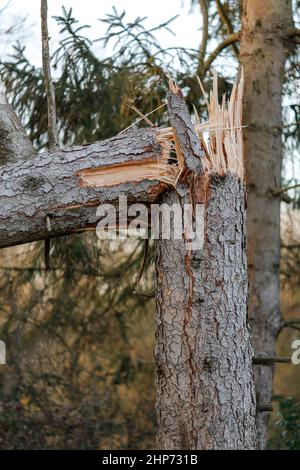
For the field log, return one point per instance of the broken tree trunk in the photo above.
(205, 394)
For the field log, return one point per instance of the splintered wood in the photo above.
(220, 138)
(157, 168)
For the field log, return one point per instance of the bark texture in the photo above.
(46, 195)
(263, 55)
(203, 351)
(50, 92)
(205, 393)
(14, 142)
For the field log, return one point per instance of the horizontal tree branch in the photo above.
(57, 193)
(269, 361)
(264, 407)
(203, 47)
(293, 324)
(14, 142)
(293, 246)
(227, 22)
(38, 269)
(279, 191)
(51, 106)
(295, 321)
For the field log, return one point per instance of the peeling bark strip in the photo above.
(54, 187)
(205, 394)
(186, 140)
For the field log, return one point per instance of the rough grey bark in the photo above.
(203, 352)
(263, 54)
(186, 139)
(14, 143)
(48, 188)
(205, 393)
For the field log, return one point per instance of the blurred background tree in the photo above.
(80, 335)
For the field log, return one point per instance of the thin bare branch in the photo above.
(293, 32)
(203, 47)
(13, 136)
(264, 407)
(227, 22)
(293, 323)
(231, 39)
(52, 126)
(141, 119)
(143, 116)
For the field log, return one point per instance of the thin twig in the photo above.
(264, 407)
(293, 32)
(51, 106)
(142, 118)
(269, 361)
(144, 260)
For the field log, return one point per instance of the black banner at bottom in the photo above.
(126, 459)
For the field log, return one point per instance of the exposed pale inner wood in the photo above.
(129, 172)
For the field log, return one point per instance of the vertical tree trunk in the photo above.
(14, 143)
(263, 55)
(205, 394)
